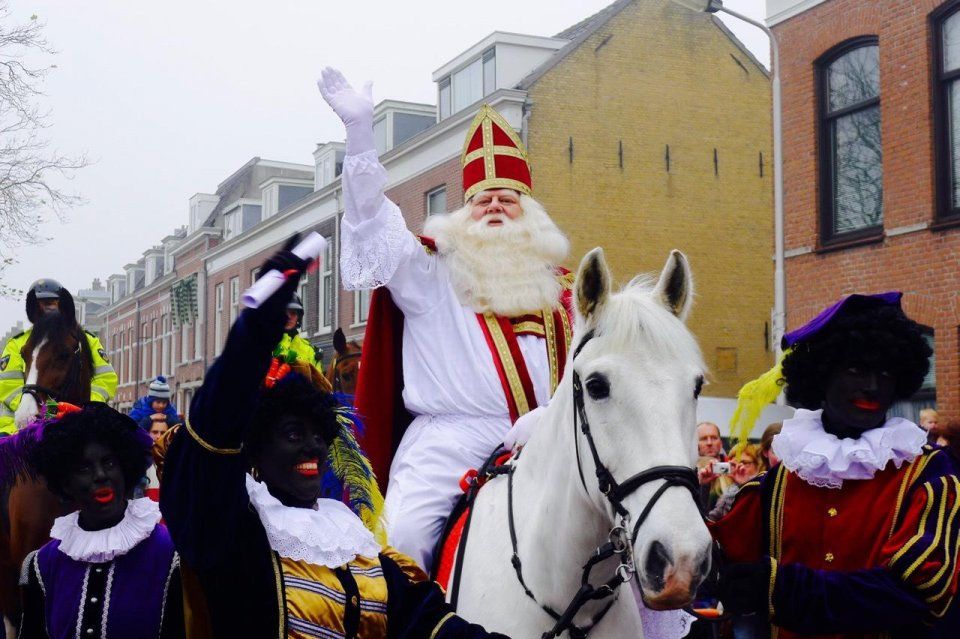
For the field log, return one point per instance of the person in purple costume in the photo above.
(110, 569)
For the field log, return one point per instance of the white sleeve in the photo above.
(377, 249)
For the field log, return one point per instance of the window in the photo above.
(165, 368)
(361, 306)
(253, 275)
(437, 201)
(232, 223)
(144, 371)
(926, 397)
(851, 171)
(154, 345)
(218, 321)
(468, 85)
(185, 342)
(380, 138)
(489, 72)
(947, 111)
(326, 289)
(234, 299)
(444, 99)
(118, 358)
(131, 373)
(302, 292)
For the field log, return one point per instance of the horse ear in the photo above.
(593, 283)
(675, 287)
(340, 342)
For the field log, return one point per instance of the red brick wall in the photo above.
(923, 264)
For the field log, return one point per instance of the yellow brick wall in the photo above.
(658, 75)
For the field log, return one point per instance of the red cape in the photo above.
(379, 399)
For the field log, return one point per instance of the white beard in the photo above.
(506, 270)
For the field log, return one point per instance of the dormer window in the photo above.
(468, 85)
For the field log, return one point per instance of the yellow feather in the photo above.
(752, 399)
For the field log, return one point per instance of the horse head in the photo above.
(637, 373)
(58, 364)
(345, 367)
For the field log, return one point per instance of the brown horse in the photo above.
(58, 366)
(345, 367)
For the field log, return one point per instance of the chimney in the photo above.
(97, 284)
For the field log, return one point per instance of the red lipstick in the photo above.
(103, 495)
(866, 404)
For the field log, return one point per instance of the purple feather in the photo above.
(15, 453)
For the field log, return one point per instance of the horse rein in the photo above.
(620, 539)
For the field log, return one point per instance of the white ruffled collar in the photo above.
(97, 546)
(329, 534)
(824, 460)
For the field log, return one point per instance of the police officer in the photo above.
(44, 296)
(291, 340)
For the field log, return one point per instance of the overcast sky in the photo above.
(169, 98)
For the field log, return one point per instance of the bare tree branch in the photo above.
(30, 170)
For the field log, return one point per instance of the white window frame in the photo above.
(234, 298)
(166, 338)
(143, 351)
(325, 274)
(154, 347)
(361, 306)
(430, 194)
(218, 319)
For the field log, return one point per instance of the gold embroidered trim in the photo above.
(497, 150)
(948, 559)
(436, 629)
(905, 483)
(509, 366)
(496, 183)
(281, 608)
(206, 445)
(773, 580)
(567, 329)
(937, 532)
(530, 327)
(923, 526)
(488, 113)
(776, 521)
(550, 336)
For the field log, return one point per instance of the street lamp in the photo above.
(779, 274)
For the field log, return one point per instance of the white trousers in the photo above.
(425, 475)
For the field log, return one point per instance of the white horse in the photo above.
(641, 372)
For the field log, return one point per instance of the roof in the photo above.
(582, 30)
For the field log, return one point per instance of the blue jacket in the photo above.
(142, 410)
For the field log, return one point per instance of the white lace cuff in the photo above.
(372, 250)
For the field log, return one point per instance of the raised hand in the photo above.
(354, 108)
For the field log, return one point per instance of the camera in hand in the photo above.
(721, 468)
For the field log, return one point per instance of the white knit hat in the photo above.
(159, 388)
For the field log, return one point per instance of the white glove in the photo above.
(26, 411)
(354, 109)
(520, 432)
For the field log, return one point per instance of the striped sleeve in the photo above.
(923, 550)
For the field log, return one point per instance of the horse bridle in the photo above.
(619, 540)
(337, 381)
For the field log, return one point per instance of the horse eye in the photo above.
(698, 387)
(598, 387)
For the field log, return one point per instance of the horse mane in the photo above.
(634, 316)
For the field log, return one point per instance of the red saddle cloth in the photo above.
(454, 533)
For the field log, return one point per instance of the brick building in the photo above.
(871, 196)
(638, 159)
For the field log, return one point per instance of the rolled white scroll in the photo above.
(311, 246)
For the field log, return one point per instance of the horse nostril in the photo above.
(658, 558)
(704, 568)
